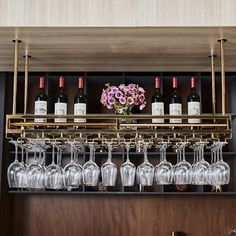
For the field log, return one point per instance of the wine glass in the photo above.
(183, 169)
(163, 173)
(16, 172)
(72, 173)
(127, 169)
(91, 171)
(145, 171)
(35, 171)
(220, 170)
(54, 177)
(109, 169)
(200, 170)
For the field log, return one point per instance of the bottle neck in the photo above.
(81, 90)
(61, 89)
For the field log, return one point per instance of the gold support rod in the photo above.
(222, 60)
(16, 56)
(26, 56)
(213, 85)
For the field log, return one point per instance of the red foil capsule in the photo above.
(41, 82)
(61, 82)
(193, 82)
(157, 82)
(81, 82)
(175, 82)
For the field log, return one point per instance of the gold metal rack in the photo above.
(103, 126)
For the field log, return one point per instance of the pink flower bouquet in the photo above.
(123, 98)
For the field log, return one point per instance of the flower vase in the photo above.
(126, 111)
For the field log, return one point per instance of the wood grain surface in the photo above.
(118, 49)
(117, 13)
(64, 215)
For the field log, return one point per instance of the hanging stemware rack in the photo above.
(213, 129)
(98, 127)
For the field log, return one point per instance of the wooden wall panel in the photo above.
(61, 215)
(5, 215)
(104, 13)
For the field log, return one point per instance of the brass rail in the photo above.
(16, 57)
(114, 126)
(26, 56)
(213, 85)
(222, 60)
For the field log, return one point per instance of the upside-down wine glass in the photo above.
(183, 169)
(72, 171)
(91, 171)
(16, 171)
(145, 171)
(127, 169)
(163, 173)
(35, 171)
(220, 170)
(200, 170)
(53, 172)
(109, 169)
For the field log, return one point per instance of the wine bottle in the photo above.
(194, 105)
(41, 101)
(157, 101)
(60, 105)
(80, 101)
(175, 106)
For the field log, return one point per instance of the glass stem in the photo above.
(127, 151)
(218, 154)
(40, 156)
(177, 153)
(145, 155)
(59, 158)
(213, 156)
(194, 156)
(183, 153)
(44, 157)
(16, 151)
(22, 154)
(90, 153)
(53, 154)
(71, 152)
(27, 156)
(164, 154)
(202, 154)
(35, 154)
(221, 153)
(109, 154)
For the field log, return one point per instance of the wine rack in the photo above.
(109, 127)
(101, 126)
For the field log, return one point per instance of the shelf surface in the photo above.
(117, 48)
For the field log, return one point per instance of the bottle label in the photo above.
(175, 109)
(60, 109)
(158, 109)
(40, 108)
(194, 109)
(80, 109)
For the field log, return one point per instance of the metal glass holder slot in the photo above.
(103, 126)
